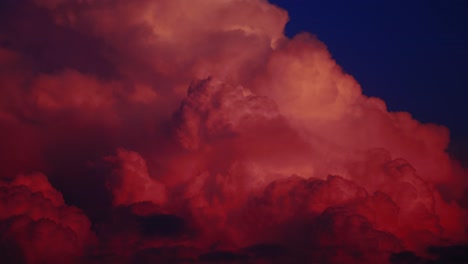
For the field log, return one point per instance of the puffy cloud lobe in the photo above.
(34, 217)
(217, 118)
(131, 183)
(214, 110)
(313, 92)
(172, 38)
(306, 83)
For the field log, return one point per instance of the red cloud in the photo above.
(197, 131)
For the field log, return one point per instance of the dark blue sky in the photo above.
(413, 54)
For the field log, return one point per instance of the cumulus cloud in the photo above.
(131, 183)
(196, 131)
(34, 217)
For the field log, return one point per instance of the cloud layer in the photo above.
(170, 131)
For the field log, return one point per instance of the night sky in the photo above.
(412, 54)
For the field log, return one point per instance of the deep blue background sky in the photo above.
(413, 53)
